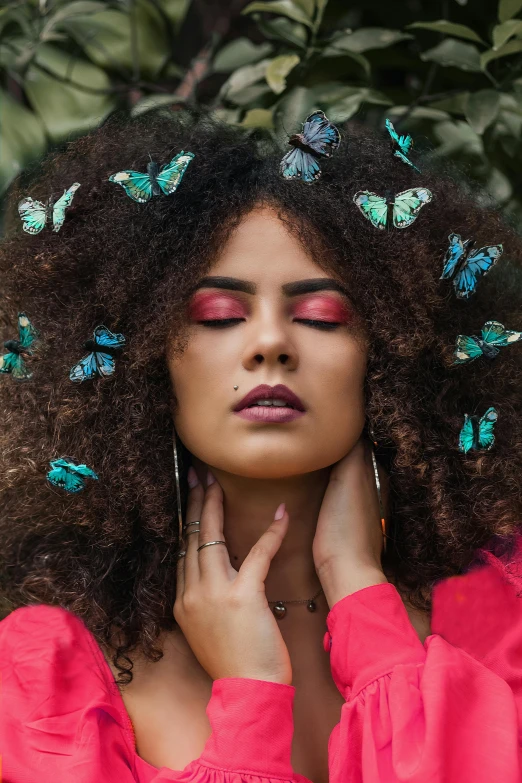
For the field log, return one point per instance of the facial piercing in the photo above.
(236, 387)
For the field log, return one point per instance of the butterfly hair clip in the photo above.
(494, 337)
(142, 187)
(14, 362)
(467, 268)
(35, 214)
(477, 433)
(318, 139)
(67, 475)
(401, 145)
(406, 206)
(103, 347)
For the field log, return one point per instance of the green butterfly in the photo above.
(141, 187)
(67, 475)
(14, 361)
(494, 336)
(35, 214)
(406, 206)
(478, 433)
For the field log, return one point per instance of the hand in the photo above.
(348, 540)
(223, 613)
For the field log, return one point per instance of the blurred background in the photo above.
(449, 72)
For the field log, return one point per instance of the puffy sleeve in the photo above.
(61, 721)
(446, 711)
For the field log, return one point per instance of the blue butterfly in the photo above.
(67, 475)
(319, 139)
(401, 144)
(494, 337)
(478, 433)
(104, 347)
(18, 350)
(35, 214)
(466, 269)
(142, 187)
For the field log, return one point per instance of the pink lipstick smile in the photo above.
(270, 404)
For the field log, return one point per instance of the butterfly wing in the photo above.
(83, 470)
(85, 369)
(298, 164)
(13, 363)
(453, 255)
(467, 435)
(61, 205)
(466, 349)
(408, 204)
(135, 184)
(61, 476)
(8, 362)
(476, 266)
(105, 364)
(33, 214)
(373, 207)
(399, 154)
(26, 331)
(170, 175)
(104, 336)
(405, 143)
(486, 426)
(320, 134)
(494, 333)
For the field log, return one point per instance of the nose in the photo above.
(269, 342)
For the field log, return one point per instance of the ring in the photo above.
(182, 554)
(209, 543)
(191, 523)
(192, 531)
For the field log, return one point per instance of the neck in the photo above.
(249, 508)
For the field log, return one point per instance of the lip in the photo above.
(270, 415)
(266, 392)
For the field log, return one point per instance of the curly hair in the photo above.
(109, 553)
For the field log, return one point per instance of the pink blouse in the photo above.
(446, 711)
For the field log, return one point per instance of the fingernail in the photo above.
(280, 511)
(192, 477)
(210, 478)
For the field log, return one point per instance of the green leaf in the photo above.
(23, 139)
(345, 108)
(503, 32)
(277, 71)
(360, 59)
(419, 113)
(447, 28)
(258, 118)
(507, 9)
(175, 10)
(282, 29)
(363, 40)
(152, 102)
(238, 53)
(281, 7)
(307, 6)
(510, 47)
(457, 137)
(64, 109)
(244, 77)
(78, 8)
(454, 104)
(293, 109)
(482, 109)
(454, 53)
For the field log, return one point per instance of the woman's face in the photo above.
(248, 325)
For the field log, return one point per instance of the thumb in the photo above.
(256, 564)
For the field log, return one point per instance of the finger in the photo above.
(257, 563)
(191, 534)
(212, 559)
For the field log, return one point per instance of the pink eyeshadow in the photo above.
(211, 306)
(323, 308)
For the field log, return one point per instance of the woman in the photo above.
(300, 650)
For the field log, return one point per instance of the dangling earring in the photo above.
(178, 488)
(378, 484)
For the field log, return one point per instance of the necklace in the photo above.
(279, 607)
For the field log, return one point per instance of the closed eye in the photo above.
(221, 323)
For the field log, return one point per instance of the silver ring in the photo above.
(182, 554)
(191, 532)
(191, 523)
(209, 543)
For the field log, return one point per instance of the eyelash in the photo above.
(224, 322)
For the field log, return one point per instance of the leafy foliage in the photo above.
(455, 84)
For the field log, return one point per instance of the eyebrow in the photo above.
(289, 289)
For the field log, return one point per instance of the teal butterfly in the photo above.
(406, 206)
(67, 475)
(478, 433)
(401, 144)
(35, 214)
(141, 187)
(18, 350)
(494, 336)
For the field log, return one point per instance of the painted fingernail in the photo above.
(280, 511)
(210, 478)
(192, 477)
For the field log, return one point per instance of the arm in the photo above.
(414, 713)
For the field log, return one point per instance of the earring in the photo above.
(178, 489)
(378, 483)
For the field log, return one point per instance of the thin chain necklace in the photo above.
(279, 607)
